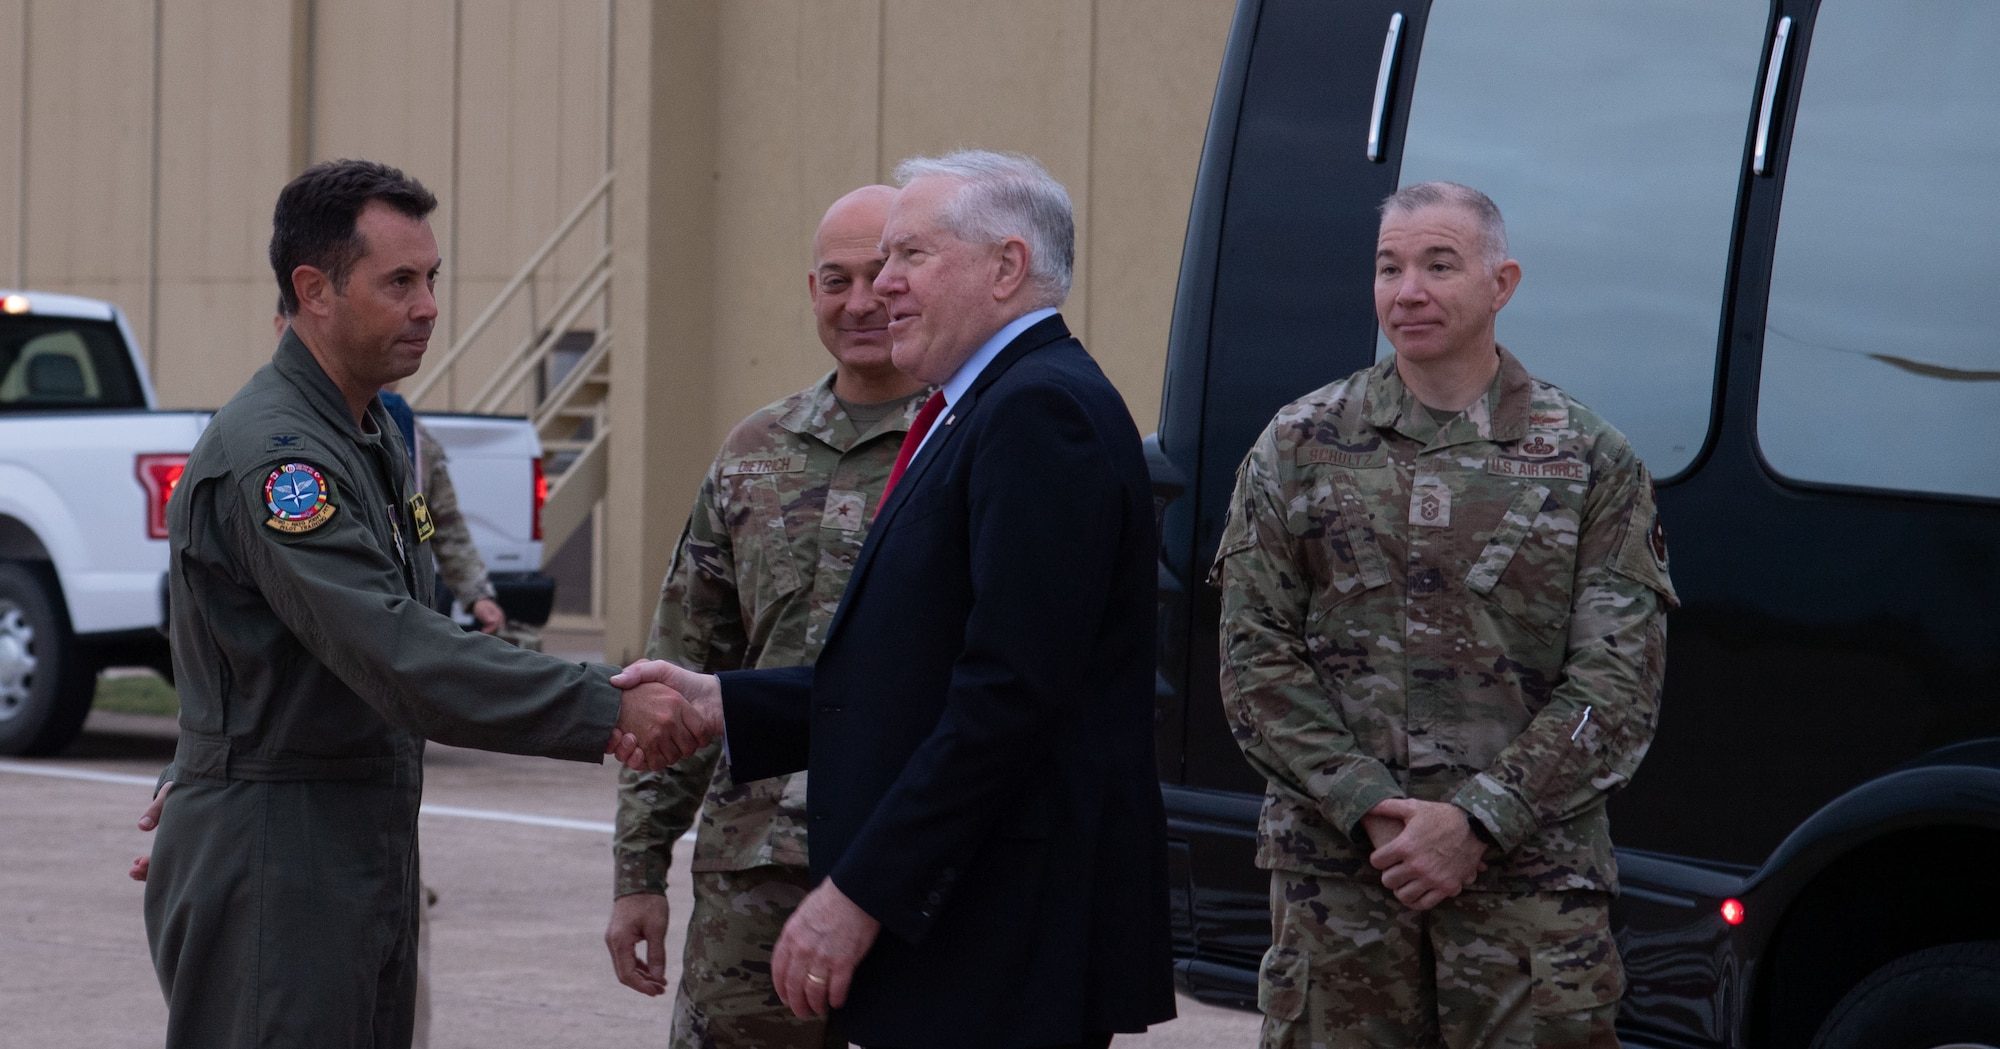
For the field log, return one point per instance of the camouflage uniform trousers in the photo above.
(726, 999)
(1349, 966)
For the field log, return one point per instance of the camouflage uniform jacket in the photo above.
(1472, 613)
(754, 582)
(457, 559)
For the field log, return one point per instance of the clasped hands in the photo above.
(667, 713)
(1426, 850)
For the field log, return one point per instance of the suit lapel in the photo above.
(1042, 333)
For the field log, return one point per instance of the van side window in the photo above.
(1612, 137)
(1882, 341)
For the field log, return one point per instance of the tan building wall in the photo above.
(157, 134)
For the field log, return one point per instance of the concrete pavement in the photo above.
(517, 954)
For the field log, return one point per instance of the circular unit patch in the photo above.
(299, 498)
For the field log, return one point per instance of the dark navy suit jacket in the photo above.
(979, 725)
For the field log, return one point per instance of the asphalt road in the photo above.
(517, 849)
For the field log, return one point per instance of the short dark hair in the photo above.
(314, 223)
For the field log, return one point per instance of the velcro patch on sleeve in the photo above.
(1642, 555)
(299, 497)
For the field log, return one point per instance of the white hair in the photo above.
(1492, 228)
(1003, 195)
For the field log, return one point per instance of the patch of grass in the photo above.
(136, 694)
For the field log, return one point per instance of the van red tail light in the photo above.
(541, 496)
(159, 474)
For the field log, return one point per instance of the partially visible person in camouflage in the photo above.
(458, 560)
(754, 583)
(1444, 590)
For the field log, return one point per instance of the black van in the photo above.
(1765, 242)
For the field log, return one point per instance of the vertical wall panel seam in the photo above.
(1090, 178)
(21, 160)
(457, 262)
(881, 88)
(153, 197)
(311, 101)
(610, 65)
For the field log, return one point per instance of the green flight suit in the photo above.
(283, 902)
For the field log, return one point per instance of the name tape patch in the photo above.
(1340, 456)
(777, 464)
(1567, 470)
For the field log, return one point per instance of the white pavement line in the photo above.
(495, 815)
(517, 817)
(63, 773)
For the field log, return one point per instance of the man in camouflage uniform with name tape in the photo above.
(1443, 643)
(754, 582)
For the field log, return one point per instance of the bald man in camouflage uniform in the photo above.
(754, 582)
(1443, 644)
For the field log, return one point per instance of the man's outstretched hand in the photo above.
(668, 713)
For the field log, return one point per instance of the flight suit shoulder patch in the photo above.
(300, 498)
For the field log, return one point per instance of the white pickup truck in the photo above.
(87, 462)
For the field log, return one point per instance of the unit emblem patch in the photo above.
(420, 511)
(299, 497)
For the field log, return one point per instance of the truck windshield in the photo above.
(54, 363)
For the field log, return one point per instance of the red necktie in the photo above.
(925, 417)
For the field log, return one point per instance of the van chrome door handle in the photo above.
(1382, 80)
(1760, 157)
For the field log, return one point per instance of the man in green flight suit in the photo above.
(282, 900)
(754, 582)
(1444, 597)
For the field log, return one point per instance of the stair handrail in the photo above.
(558, 398)
(519, 366)
(506, 296)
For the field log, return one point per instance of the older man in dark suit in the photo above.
(985, 818)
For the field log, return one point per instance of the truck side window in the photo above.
(1882, 342)
(1612, 137)
(57, 363)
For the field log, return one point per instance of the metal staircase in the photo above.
(558, 374)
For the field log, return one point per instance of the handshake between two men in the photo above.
(667, 713)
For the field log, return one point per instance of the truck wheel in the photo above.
(1941, 998)
(45, 691)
